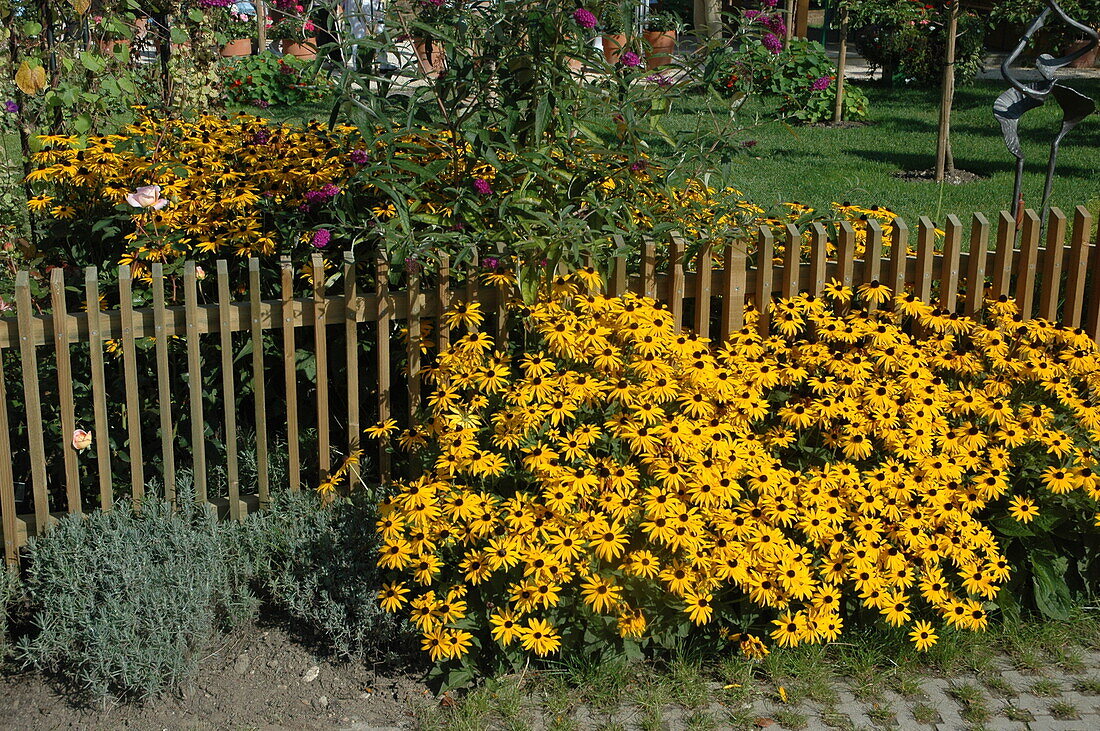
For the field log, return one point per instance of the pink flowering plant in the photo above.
(797, 75)
(292, 21)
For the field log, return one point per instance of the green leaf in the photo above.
(93, 62)
(179, 35)
(1051, 593)
(195, 15)
(82, 123)
(32, 28)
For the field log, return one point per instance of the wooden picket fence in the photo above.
(1049, 279)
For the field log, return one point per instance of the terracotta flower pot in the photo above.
(111, 48)
(613, 47)
(660, 46)
(430, 56)
(305, 50)
(1084, 62)
(239, 47)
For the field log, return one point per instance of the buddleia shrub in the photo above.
(317, 564)
(123, 602)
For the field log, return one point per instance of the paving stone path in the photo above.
(1001, 696)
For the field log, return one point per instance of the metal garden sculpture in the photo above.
(1022, 98)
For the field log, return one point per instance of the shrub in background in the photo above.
(264, 80)
(318, 565)
(123, 601)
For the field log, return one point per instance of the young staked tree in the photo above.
(945, 161)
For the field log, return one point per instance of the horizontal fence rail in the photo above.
(208, 384)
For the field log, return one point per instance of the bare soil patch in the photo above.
(259, 678)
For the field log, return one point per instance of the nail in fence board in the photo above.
(320, 354)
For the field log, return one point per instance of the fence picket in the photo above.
(926, 252)
(792, 258)
(385, 312)
(733, 288)
(229, 391)
(65, 387)
(819, 241)
(704, 279)
(259, 385)
(899, 256)
(8, 516)
(351, 338)
(676, 280)
(1077, 266)
(194, 381)
(129, 368)
(413, 342)
(1027, 263)
(164, 394)
(617, 284)
(320, 354)
(949, 270)
(1052, 265)
(443, 295)
(1002, 257)
(872, 258)
(290, 374)
(100, 435)
(1092, 308)
(845, 254)
(648, 281)
(472, 283)
(765, 277)
(975, 275)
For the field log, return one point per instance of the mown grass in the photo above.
(819, 165)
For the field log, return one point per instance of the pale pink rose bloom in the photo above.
(200, 273)
(81, 439)
(147, 196)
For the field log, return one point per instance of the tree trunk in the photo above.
(841, 67)
(789, 18)
(943, 145)
(802, 19)
(261, 26)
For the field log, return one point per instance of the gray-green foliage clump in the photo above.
(10, 591)
(318, 564)
(124, 601)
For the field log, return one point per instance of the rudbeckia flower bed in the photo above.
(245, 186)
(618, 484)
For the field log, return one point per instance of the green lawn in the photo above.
(819, 165)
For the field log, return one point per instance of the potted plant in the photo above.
(614, 24)
(292, 26)
(427, 15)
(660, 38)
(116, 34)
(240, 27)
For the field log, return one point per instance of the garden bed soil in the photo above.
(258, 678)
(959, 177)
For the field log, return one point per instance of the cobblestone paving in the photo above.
(1003, 697)
(1048, 696)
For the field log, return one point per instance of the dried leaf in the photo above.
(81, 6)
(762, 722)
(30, 80)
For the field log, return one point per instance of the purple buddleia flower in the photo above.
(584, 18)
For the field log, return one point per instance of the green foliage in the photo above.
(317, 564)
(907, 41)
(543, 142)
(801, 77)
(124, 601)
(10, 592)
(265, 79)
